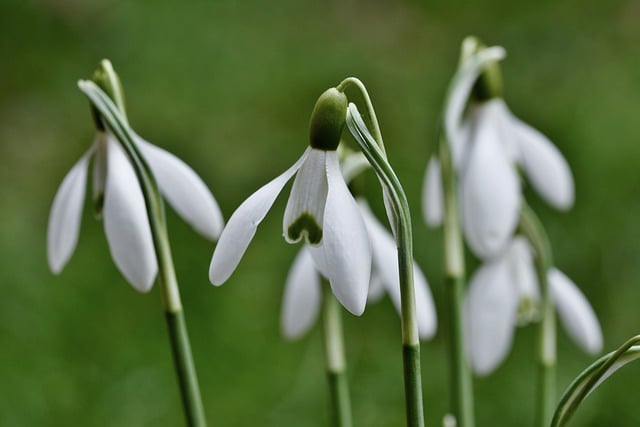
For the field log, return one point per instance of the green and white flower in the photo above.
(488, 146)
(303, 292)
(503, 293)
(320, 210)
(119, 198)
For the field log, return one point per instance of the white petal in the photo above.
(425, 308)
(305, 207)
(385, 265)
(66, 215)
(184, 190)
(524, 278)
(545, 167)
(490, 309)
(376, 287)
(347, 252)
(490, 191)
(432, 198)
(461, 87)
(126, 223)
(243, 224)
(577, 315)
(302, 296)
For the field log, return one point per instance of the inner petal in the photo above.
(305, 208)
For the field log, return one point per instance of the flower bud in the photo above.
(327, 120)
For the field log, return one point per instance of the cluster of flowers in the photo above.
(344, 242)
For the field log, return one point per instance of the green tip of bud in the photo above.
(489, 83)
(327, 120)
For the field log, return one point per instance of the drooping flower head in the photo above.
(489, 145)
(119, 200)
(320, 210)
(504, 292)
(303, 294)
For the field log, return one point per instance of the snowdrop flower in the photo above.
(504, 293)
(119, 197)
(320, 210)
(303, 292)
(488, 144)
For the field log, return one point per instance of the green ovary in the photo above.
(307, 226)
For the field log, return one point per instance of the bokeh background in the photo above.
(228, 86)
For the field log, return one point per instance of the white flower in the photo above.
(303, 294)
(320, 209)
(487, 145)
(125, 215)
(504, 293)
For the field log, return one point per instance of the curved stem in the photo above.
(180, 345)
(401, 225)
(591, 377)
(546, 355)
(335, 360)
(461, 380)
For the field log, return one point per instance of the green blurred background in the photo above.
(228, 86)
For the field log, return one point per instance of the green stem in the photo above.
(546, 354)
(181, 348)
(397, 200)
(461, 379)
(335, 361)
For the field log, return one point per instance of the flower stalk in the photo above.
(111, 116)
(340, 402)
(460, 373)
(398, 208)
(533, 230)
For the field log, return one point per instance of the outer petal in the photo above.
(66, 215)
(347, 252)
(243, 224)
(184, 190)
(545, 167)
(305, 207)
(302, 296)
(385, 265)
(490, 309)
(126, 223)
(490, 191)
(577, 315)
(432, 198)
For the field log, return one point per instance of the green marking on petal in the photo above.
(306, 225)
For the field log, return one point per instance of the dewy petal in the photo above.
(490, 191)
(577, 315)
(302, 296)
(347, 252)
(432, 198)
(66, 215)
(385, 265)
(490, 310)
(243, 224)
(305, 207)
(126, 222)
(184, 190)
(545, 167)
